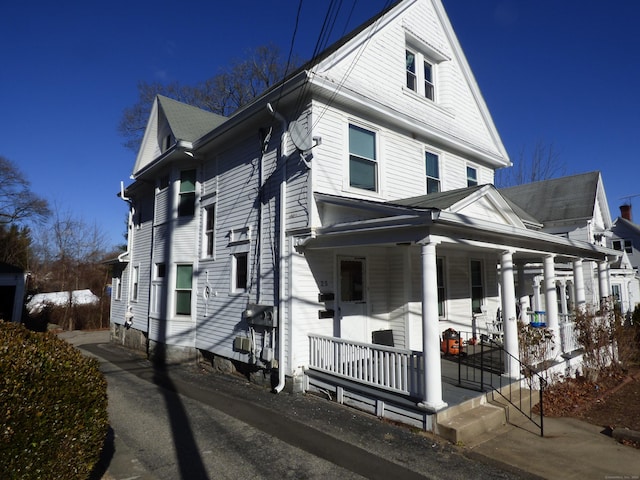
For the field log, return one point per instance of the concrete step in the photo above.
(465, 427)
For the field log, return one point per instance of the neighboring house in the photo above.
(574, 207)
(350, 205)
(77, 297)
(12, 287)
(626, 239)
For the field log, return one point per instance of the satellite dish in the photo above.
(300, 135)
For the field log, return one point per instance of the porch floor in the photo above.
(454, 393)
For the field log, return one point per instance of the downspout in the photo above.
(281, 240)
(128, 316)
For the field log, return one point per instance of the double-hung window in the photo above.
(187, 199)
(184, 279)
(472, 177)
(441, 286)
(420, 74)
(433, 172)
(363, 165)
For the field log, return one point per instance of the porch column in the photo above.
(537, 304)
(563, 299)
(523, 298)
(603, 284)
(578, 285)
(510, 324)
(550, 297)
(432, 395)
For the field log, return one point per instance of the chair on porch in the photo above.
(495, 330)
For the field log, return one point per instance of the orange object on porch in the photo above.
(450, 342)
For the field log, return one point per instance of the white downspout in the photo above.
(128, 314)
(281, 239)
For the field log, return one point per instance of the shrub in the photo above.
(596, 332)
(53, 407)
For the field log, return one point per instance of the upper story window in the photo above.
(363, 166)
(623, 245)
(433, 172)
(163, 182)
(420, 74)
(187, 199)
(472, 176)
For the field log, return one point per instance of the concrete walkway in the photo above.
(570, 449)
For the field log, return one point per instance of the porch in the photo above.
(389, 382)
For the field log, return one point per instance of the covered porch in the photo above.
(416, 271)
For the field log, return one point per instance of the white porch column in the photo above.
(537, 304)
(523, 298)
(578, 284)
(510, 324)
(563, 298)
(550, 297)
(432, 395)
(603, 284)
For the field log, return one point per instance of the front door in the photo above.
(352, 301)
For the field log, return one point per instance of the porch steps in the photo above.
(475, 421)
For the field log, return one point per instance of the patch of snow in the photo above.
(78, 297)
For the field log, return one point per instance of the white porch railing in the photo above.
(568, 337)
(389, 368)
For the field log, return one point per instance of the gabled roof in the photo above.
(185, 122)
(563, 199)
(188, 122)
(439, 200)
(628, 225)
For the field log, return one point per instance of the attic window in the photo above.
(472, 177)
(420, 74)
(623, 245)
(166, 143)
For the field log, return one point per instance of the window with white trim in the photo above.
(187, 194)
(134, 283)
(472, 176)
(363, 165)
(433, 172)
(117, 288)
(240, 272)
(623, 245)
(420, 73)
(184, 281)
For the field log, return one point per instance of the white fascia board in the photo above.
(582, 248)
(332, 90)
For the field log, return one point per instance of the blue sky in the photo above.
(561, 72)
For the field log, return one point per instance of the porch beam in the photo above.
(510, 324)
(432, 394)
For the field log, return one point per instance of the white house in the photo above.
(351, 204)
(625, 278)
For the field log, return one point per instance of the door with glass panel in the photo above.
(352, 301)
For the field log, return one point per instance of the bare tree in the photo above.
(235, 86)
(542, 164)
(17, 202)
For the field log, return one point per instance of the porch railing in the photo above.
(568, 337)
(389, 368)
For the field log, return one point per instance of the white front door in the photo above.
(352, 301)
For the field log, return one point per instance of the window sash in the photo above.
(441, 286)
(184, 282)
(241, 271)
(433, 172)
(477, 290)
(209, 230)
(362, 159)
(410, 60)
(428, 80)
(472, 177)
